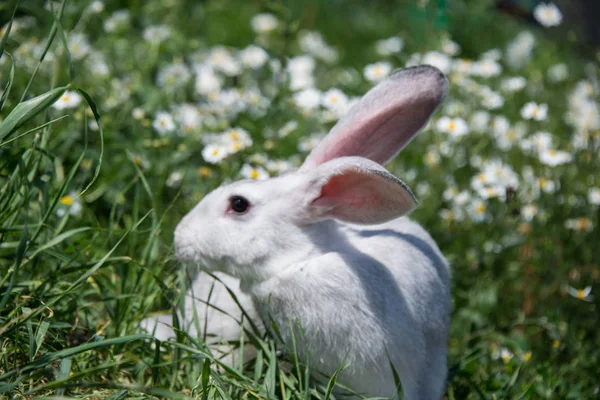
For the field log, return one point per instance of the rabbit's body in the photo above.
(326, 248)
(371, 292)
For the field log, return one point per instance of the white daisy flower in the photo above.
(449, 47)
(163, 123)
(207, 81)
(594, 196)
(117, 20)
(288, 128)
(307, 99)
(79, 46)
(256, 173)
(378, 71)
(173, 76)
(389, 46)
(221, 59)
(547, 14)
(253, 57)
(438, 60)
(538, 112)
(581, 224)
(174, 180)
(558, 73)
(528, 212)
(487, 68)
(513, 84)
(300, 70)
(456, 127)
(96, 7)
(214, 153)
(69, 99)
(336, 101)
(69, 203)
(554, 157)
(477, 210)
(581, 294)
(264, 23)
(156, 34)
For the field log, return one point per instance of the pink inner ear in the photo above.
(347, 190)
(364, 198)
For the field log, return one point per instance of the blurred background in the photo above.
(116, 117)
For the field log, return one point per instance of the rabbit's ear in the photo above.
(385, 119)
(357, 190)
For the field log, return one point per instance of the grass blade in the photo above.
(8, 28)
(26, 110)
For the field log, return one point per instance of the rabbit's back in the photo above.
(419, 269)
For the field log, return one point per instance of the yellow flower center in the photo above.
(254, 174)
(66, 200)
(527, 356)
(215, 152)
(581, 294)
(451, 126)
(480, 208)
(555, 344)
(65, 97)
(204, 172)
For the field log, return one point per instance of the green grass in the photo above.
(74, 287)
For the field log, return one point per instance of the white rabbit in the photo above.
(327, 248)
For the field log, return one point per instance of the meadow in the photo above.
(116, 117)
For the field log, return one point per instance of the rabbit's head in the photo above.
(245, 227)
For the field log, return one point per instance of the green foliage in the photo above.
(91, 189)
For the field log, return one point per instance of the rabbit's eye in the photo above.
(239, 204)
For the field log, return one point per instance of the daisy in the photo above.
(538, 112)
(308, 99)
(336, 101)
(513, 84)
(378, 71)
(438, 60)
(581, 224)
(528, 212)
(256, 173)
(163, 123)
(594, 196)
(254, 57)
(174, 180)
(68, 99)
(214, 153)
(547, 14)
(71, 204)
(477, 211)
(264, 23)
(558, 73)
(581, 294)
(456, 127)
(554, 157)
(389, 46)
(156, 33)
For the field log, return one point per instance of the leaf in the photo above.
(26, 110)
(94, 109)
(8, 28)
(20, 253)
(40, 335)
(9, 81)
(58, 239)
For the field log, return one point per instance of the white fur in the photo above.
(367, 295)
